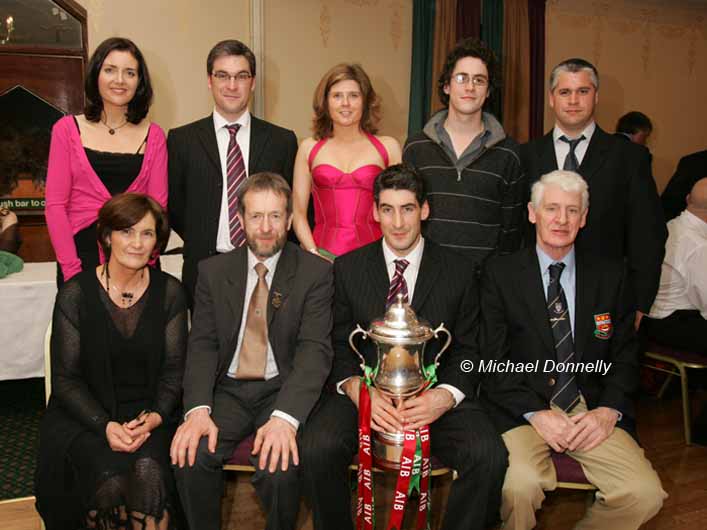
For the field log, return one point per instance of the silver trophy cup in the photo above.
(400, 340)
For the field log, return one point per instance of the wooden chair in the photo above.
(47, 363)
(681, 360)
(239, 461)
(570, 474)
(47, 375)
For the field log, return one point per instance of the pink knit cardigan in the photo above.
(75, 193)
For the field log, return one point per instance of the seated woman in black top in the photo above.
(118, 347)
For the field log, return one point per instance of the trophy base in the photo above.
(388, 450)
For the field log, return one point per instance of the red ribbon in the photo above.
(365, 512)
(401, 488)
(423, 511)
(365, 507)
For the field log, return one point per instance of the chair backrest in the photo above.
(48, 362)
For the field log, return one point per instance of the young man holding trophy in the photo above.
(373, 287)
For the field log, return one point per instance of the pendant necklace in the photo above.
(111, 130)
(126, 297)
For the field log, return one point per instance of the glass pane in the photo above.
(24, 147)
(38, 23)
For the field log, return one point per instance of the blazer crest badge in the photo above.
(276, 299)
(603, 326)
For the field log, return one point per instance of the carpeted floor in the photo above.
(21, 407)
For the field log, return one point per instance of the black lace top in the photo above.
(108, 363)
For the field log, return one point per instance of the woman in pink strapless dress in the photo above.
(337, 166)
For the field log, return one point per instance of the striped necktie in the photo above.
(566, 391)
(235, 176)
(398, 285)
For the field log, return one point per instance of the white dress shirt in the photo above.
(223, 137)
(271, 365)
(414, 257)
(683, 278)
(562, 149)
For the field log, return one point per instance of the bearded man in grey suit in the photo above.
(259, 353)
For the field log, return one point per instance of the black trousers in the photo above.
(682, 329)
(463, 439)
(686, 330)
(240, 408)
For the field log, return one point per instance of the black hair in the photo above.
(140, 104)
(400, 177)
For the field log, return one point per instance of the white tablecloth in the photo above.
(26, 304)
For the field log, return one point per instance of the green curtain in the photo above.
(492, 35)
(423, 23)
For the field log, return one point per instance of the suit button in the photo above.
(551, 381)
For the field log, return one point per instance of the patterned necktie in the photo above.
(235, 175)
(571, 162)
(254, 348)
(566, 393)
(398, 285)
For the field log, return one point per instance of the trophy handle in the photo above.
(440, 329)
(355, 332)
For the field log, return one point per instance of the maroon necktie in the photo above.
(398, 285)
(235, 175)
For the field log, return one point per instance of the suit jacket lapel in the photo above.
(586, 287)
(281, 284)
(258, 140)
(235, 290)
(207, 137)
(380, 282)
(426, 276)
(529, 282)
(548, 158)
(595, 155)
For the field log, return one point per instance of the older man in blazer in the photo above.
(442, 287)
(626, 218)
(209, 158)
(561, 358)
(258, 356)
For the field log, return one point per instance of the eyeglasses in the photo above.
(463, 78)
(225, 77)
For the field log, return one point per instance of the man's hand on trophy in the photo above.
(425, 408)
(352, 387)
(385, 417)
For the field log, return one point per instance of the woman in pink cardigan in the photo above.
(110, 149)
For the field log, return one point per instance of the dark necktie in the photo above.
(398, 285)
(254, 348)
(235, 175)
(566, 391)
(571, 163)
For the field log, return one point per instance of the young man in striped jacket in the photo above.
(472, 171)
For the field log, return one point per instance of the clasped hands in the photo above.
(407, 414)
(129, 436)
(581, 432)
(275, 439)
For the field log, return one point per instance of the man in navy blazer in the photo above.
(561, 359)
(626, 219)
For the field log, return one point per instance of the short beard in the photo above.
(277, 247)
